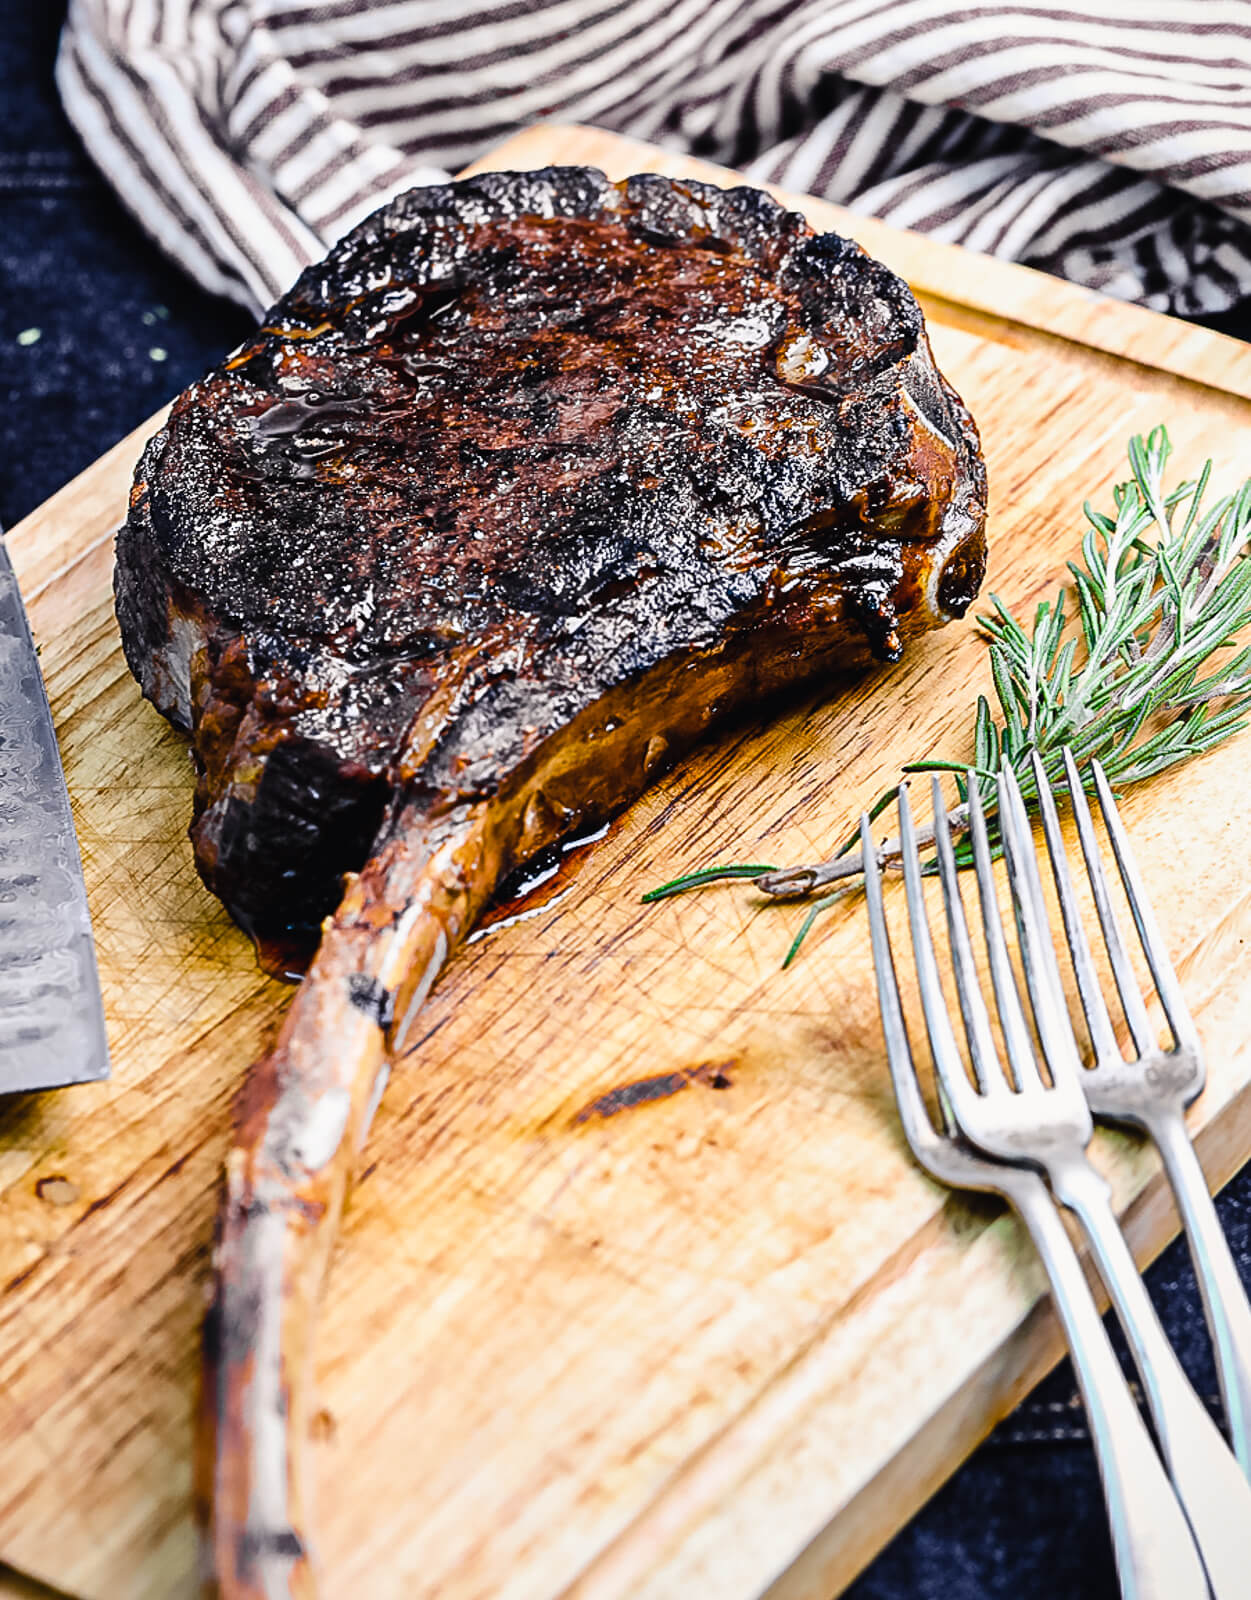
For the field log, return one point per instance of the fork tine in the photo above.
(968, 989)
(1042, 973)
(1185, 1035)
(918, 1129)
(1122, 969)
(948, 1065)
(1019, 1045)
(1098, 1019)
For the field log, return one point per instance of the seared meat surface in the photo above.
(534, 473)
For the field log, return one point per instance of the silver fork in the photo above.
(1155, 1554)
(1152, 1091)
(1048, 1124)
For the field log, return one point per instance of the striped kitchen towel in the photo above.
(1108, 141)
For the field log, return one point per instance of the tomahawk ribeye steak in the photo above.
(529, 482)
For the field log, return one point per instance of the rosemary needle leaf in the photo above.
(693, 880)
(814, 911)
(939, 765)
(886, 798)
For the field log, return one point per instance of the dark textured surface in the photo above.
(1023, 1518)
(523, 445)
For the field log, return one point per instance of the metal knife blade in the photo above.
(51, 1015)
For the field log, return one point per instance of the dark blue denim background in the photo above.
(120, 331)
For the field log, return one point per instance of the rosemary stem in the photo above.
(791, 882)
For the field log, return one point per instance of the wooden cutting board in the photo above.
(639, 1295)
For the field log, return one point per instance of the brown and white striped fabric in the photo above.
(1108, 141)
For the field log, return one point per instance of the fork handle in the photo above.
(1224, 1296)
(1156, 1557)
(1214, 1494)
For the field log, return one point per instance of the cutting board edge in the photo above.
(37, 544)
(897, 1483)
(960, 1425)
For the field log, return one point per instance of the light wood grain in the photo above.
(721, 1342)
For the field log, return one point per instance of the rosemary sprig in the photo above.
(1138, 661)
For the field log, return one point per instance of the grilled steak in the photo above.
(529, 482)
(518, 445)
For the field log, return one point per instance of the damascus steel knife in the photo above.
(51, 1016)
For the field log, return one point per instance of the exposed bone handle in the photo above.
(304, 1115)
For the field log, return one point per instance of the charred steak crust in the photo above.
(520, 443)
